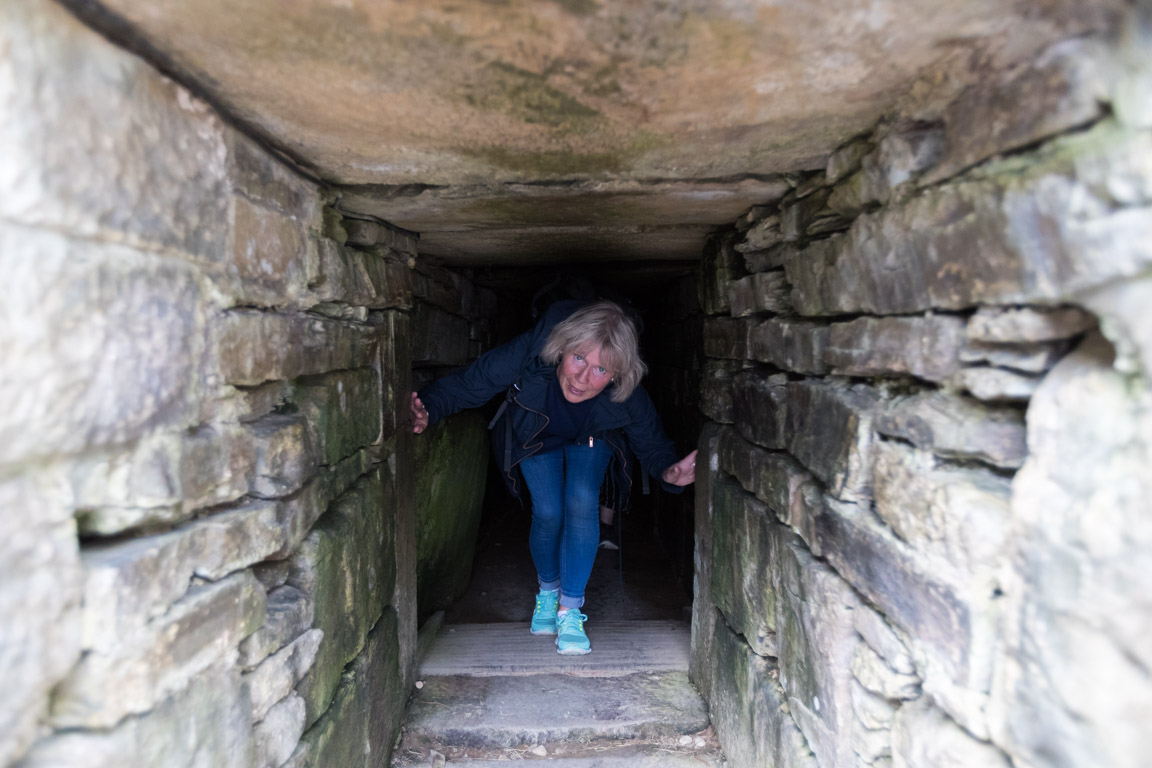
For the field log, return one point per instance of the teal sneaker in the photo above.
(570, 637)
(544, 617)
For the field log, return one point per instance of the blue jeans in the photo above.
(565, 487)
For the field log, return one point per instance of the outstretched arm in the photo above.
(682, 472)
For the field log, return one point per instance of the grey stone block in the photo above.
(995, 385)
(1024, 358)
(749, 709)
(343, 411)
(438, 337)
(846, 159)
(926, 347)
(267, 258)
(791, 345)
(958, 427)
(267, 180)
(206, 724)
(360, 726)
(703, 613)
(924, 737)
(277, 736)
(286, 456)
(289, 615)
(296, 514)
(42, 599)
(274, 677)
(161, 659)
(1029, 251)
(746, 542)
(715, 400)
(775, 478)
(255, 346)
(726, 337)
(1004, 325)
(817, 643)
(764, 234)
(759, 292)
(347, 568)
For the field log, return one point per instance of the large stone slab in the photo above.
(296, 514)
(41, 594)
(1005, 325)
(163, 658)
(952, 426)
(343, 411)
(791, 345)
(719, 266)
(286, 454)
(272, 679)
(926, 347)
(130, 583)
(726, 337)
(289, 615)
(150, 170)
(918, 255)
(450, 466)
(759, 292)
(746, 542)
(347, 568)
(165, 478)
(438, 337)
(374, 278)
(749, 709)
(265, 178)
(715, 399)
(1076, 590)
(950, 632)
(267, 257)
(207, 724)
(957, 516)
(817, 643)
(924, 737)
(775, 478)
(256, 346)
(826, 425)
(78, 316)
(703, 613)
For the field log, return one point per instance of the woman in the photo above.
(573, 394)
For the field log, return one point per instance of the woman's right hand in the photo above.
(419, 414)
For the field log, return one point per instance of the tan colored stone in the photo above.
(286, 454)
(952, 426)
(274, 677)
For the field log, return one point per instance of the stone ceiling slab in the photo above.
(458, 99)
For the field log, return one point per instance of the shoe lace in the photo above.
(571, 617)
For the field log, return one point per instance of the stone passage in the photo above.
(922, 509)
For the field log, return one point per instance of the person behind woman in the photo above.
(573, 393)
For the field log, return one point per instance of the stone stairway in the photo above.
(491, 693)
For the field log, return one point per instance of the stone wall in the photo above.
(210, 551)
(923, 535)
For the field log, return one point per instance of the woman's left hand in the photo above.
(682, 472)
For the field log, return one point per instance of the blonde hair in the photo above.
(608, 328)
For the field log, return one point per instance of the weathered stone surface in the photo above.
(817, 643)
(719, 265)
(136, 674)
(875, 676)
(951, 638)
(273, 679)
(360, 726)
(745, 544)
(289, 615)
(255, 346)
(827, 426)
(749, 710)
(1125, 307)
(799, 218)
(40, 594)
(129, 584)
(267, 180)
(882, 639)
(153, 174)
(715, 399)
(995, 385)
(450, 462)
(438, 337)
(765, 233)
(367, 233)
(277, 736)
(759, 292)
(873, 712)
(924, 737)
(374, 278)
(999, 325)
(926, 347)
(346, 567)
(703, 612)
(1061, 88)
(1026, 358)
(957, 514)
(342, 411)
(952, 426)
(771, 258)
(403, 507)
(792, 345)
(286, 455)
(165, 478)
(267, 254)
(208, 724)
(846, 159)
(775, 478)
(1029, 248)
(1071, 687)
(726, 337)
(296, 514)
(436, 286)
(78, 316)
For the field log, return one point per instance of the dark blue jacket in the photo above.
(516, 368)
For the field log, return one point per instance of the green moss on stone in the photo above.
(527, 95)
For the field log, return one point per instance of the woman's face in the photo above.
(582, 377)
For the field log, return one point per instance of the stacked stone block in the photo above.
(212, 552)
(921, 531)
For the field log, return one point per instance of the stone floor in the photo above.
(490, 692)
